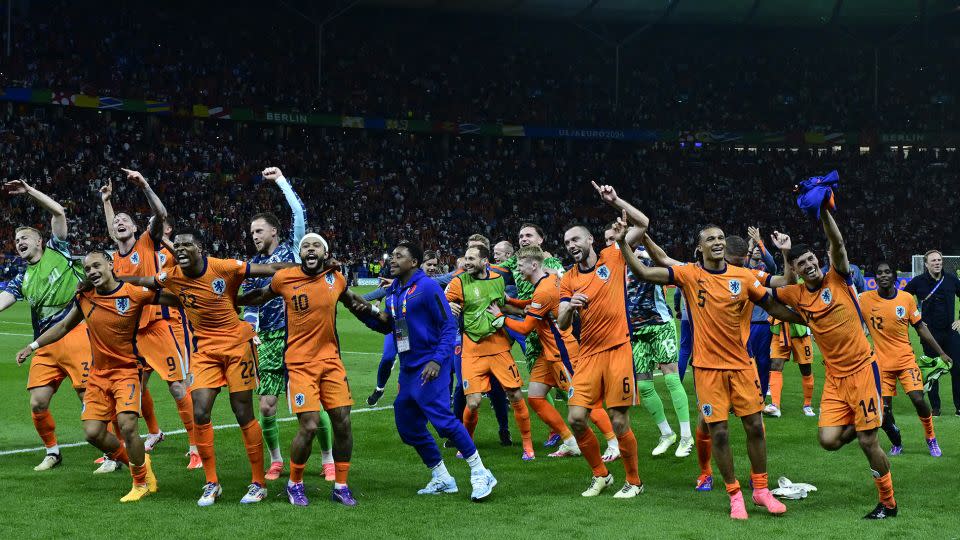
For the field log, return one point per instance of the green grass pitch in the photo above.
(539, 498)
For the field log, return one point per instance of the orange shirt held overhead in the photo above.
(112, 321)
(889, 321)
(311, 308)
(557, 345)
(603, 322)
(833, 314)
(720, 303)
(210, 301)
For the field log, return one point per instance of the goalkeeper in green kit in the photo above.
(532, 235)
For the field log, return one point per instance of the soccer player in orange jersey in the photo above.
(559, 349)
(850, 406)
(736, 253)
(889, 314)
(315, 372)
(223, 352)
(720, 297)
(595, 289)
(112, 311)
(157, 339)
(486, 346)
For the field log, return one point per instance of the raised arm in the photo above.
(783, 243)
(106, 196)
(149, 282)
(633, 216)
(157, 208)
(780, 311)
(657, 254)
(838, 251)
(58, 216)
(52, 335)
(650, 274)
(298, 214)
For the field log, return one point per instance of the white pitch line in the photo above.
(181, 431)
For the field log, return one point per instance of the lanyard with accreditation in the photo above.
(401, 331)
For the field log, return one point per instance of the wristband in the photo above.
(34, 346)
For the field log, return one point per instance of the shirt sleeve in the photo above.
(788, 295)
(454, 292)
(15, 286)
(376, 294)
(298, 215)
(541, 304)
(613, 255)
(914, 312)
(768, 259)
(565, 287)
(756, 291)
(61, 246)
(446, 324)
(763, 276)
(238, 270)
(678, 274)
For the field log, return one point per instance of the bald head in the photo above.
(502, 251)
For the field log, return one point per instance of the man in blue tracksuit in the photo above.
(416, 312)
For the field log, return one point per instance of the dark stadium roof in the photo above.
(758, 12)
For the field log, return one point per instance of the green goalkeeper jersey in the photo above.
(49, 285)
(477, 295)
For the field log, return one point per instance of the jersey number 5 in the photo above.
(701, 297)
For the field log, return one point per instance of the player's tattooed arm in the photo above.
(256, 297)
(780, 312)
(633, 215)
(167, 298)
(838, 251)
(52, 335)
(650, 274)
(58, 216)
(927, 338)
(157, 208)
(783, 243)
(106, 197)
(657, 254)
(268, 270)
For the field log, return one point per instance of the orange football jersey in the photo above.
(603, 323)
(889, 321)
(311, 309)
(112, 321)
(720, 303)
(833, 314)
(140, 261)
(210, 301)
(557, 344)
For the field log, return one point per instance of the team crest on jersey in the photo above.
(570, 393)
(735, 286)
(329, 279)
(135, 258)
(603, 272)
(219, 285)
(299, 399)
(466, 384)
(826, 296)
(901, 312)
(707, 409)
(163, 258)
(123, 304)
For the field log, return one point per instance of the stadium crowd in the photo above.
(401, 65)
(441, 189)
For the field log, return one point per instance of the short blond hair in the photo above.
(531, 252)
(479, 238)
(28, 228)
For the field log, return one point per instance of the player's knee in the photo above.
(309, 425)
(38, 405)
(514, 394)
(93, 432)
(201, 416)
(340, 419)
(720, 436)
(178, 390)
(830, 442)
(620, 422)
